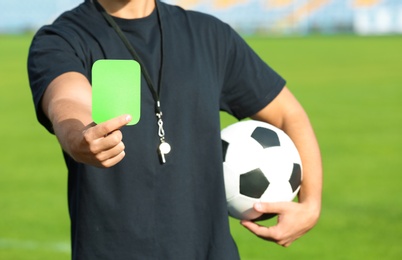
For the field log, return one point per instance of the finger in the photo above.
(102, 144)
(273, 234)
(110, 141)
(109, 126)
(111, 153)
(266, 233)
(113, 161)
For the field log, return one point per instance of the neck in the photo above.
(128, 9)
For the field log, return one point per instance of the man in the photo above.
(124, 201)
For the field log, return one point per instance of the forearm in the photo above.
(299, 129)
(69, 127)
(67, 104)
(295, 219)
(286, 113)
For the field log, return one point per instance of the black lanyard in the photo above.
(164, 147)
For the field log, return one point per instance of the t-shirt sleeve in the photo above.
(250, 84)
(51, 54)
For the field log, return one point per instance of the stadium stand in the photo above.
(247, 16)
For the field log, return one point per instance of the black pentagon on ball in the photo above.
(295, 178)
(265, 137)
(253, 184)
(225, 146)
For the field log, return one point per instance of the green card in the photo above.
(116, 90)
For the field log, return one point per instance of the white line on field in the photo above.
(34, 245)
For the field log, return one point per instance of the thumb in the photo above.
(111, 125)
(271, 207)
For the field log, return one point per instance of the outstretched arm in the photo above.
(67, 103)
(294, 219)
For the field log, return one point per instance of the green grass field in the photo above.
(351, 87)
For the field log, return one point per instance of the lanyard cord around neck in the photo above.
(164, 147)
(133, 53)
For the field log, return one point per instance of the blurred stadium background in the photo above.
(281, 17)
(350, 85)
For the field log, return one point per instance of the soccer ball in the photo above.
(260, 163)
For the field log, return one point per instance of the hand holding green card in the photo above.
(116, 90)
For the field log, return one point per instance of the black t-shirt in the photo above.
(139, 208)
